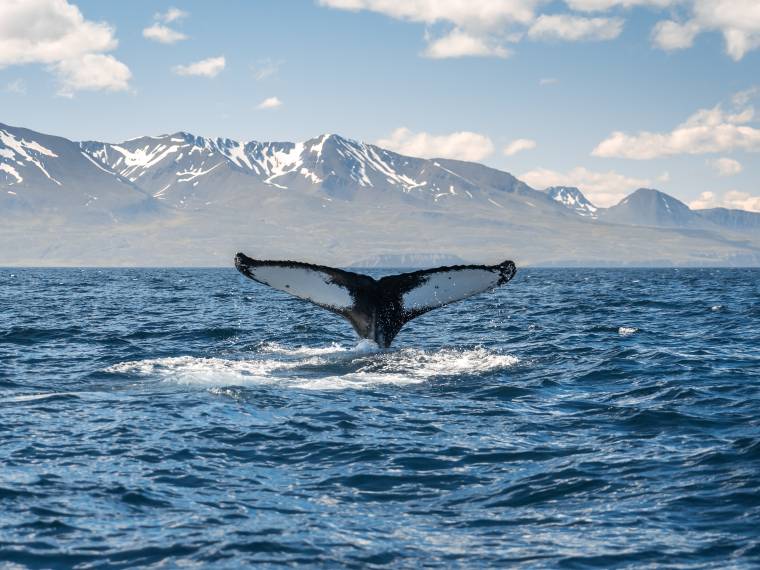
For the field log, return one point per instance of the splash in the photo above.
(322, 368)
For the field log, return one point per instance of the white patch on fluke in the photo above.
(304, 283)
(449, 286)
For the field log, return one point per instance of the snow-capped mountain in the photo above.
(572, 198)
(42, 173)
(189, 171)
(182, 199)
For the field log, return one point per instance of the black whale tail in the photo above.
(377, 309)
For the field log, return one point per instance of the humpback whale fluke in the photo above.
(376, 308)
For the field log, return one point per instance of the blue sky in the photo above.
(550, 82)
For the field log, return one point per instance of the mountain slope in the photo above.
(43, 174)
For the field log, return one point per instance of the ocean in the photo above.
(575, 418)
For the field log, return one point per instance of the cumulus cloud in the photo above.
(603, 5)
(56, 34)
(742, 201)
(670, 35)
(706, 131)
(602, 188)
(462, 145)
(163, 34)
(705, 200)
(732, 199)
(726, 166)
(737, 20)
(160, 32)
(574, 28)
(482, 28)
(270, 103)
(93, 72)
(171, 15)
(459, 44)
(462, 13)
(519, 145)
(485, 28)
(210, 67)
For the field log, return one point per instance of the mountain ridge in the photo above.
(184, 199)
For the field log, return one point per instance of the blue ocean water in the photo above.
(572, 419)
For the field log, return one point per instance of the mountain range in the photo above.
(185, 200)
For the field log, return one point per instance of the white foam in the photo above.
(276, 348)
(333, 367)
(627, 331)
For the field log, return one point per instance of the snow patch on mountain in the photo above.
(17, 149)
(573, 199)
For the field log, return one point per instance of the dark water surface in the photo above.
(575, 418)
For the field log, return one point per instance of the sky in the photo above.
(606, 95)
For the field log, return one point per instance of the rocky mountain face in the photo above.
(573, 199)
(735, 220)
(181, 199)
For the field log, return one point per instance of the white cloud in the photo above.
(484, 27)
(462, 13)
(705, 200)
(737, 20)
(602, 188)
(163, 34)
(458, 43)
(474, 28)
(574, 28)
(519, 145)
(603, 5)
(670, 35)
(210, 67)
(265, 68)
(706, 131)
(548, 81)
(726, 166)
(462, 145)
(742, 201)
(731, 199)
(56, 34)
(171, 15)
(92, 72)
(270, 103)
(17, 86)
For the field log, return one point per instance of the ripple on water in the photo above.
(190, 418)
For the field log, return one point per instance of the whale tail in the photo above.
(376, 308)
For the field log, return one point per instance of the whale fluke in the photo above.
(376, 308)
